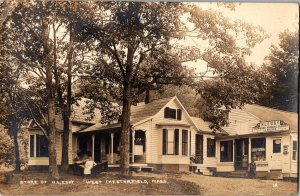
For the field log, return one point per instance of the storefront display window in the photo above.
(258, 149)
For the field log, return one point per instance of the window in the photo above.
(184, 142)
(258, 149)
(295, 146)
(211, 147)
(165, 135)
(170, 142)
(226, 151)
(170, 113)
(177, 141)
(179, 114)
(170, 146)
(39, 146)
(173, 113)
(246, 147)
(31, 145)
(277, 146)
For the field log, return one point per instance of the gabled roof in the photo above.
(143, 111)
(139, 113)
(268, 114)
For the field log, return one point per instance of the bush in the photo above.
(6, 148)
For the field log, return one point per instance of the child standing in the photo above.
(88, 166)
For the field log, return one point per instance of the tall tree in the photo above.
(13, 113)
(139, 47)
(31, 24)
(281, 69)
(133, 44)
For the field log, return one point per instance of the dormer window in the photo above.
(173, 113)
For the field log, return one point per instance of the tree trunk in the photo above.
(65, 144)
(53, 171)
(125, 134)
(14, 131)
(67, 110)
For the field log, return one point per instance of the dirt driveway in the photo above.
(236, 186)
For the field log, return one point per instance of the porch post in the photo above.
(93, 147)
(133, 144)
(249, 150)
(111, 148)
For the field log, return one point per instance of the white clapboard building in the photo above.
(165, 137)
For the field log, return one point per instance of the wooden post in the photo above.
(112, 148)
(249, 150)
(93, 147)
(133, 144)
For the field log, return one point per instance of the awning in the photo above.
(100, 127)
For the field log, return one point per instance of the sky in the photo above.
(272, 17)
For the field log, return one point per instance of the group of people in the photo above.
(85, 161)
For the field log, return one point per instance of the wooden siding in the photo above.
(240, 122)
(154, 136)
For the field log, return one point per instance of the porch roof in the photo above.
(101, 127)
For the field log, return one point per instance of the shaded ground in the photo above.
(158, 183)
(111, 183)
(237, 186)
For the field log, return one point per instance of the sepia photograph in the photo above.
(149, 97)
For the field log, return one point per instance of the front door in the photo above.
(238, 156)
(276, 157)
(199, 149)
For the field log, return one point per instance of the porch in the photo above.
(104, 144)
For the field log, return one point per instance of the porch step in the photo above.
(234, 174)
(142, 168)
(204, 170)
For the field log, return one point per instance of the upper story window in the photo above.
(173, 113)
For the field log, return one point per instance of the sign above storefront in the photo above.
(271, 126)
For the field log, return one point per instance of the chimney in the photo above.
(147, 96)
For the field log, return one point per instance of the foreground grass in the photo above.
(105, 183)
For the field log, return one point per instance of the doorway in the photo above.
(241, 153)
(238, 155)
(199, 149)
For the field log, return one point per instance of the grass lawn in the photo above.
(105, 183)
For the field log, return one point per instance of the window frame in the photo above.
(185, 142)
(35, 146)
(278, 149)
(171, 113)
(295, 150)
(208, 153)
(232, 152)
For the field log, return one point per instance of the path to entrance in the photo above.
(236, 186)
